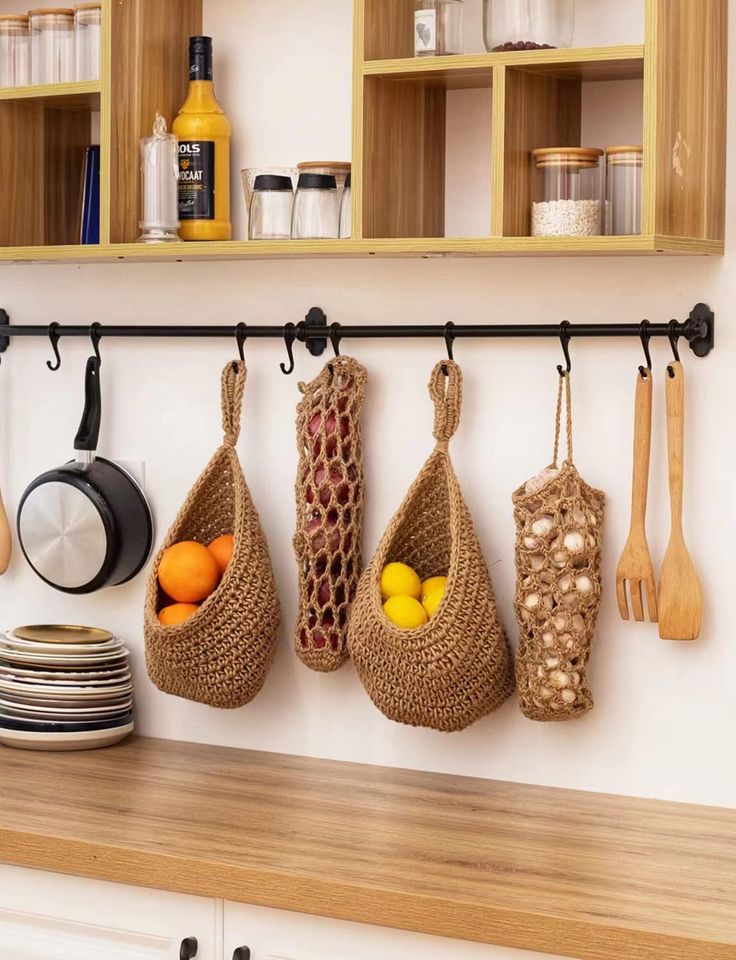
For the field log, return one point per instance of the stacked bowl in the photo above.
(64, 688)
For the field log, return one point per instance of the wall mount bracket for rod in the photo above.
(4, 322)
(315, 318)
(700, 330)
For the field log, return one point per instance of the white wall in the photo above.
(665, 721)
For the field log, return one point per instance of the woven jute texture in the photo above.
(559, 523)
(457, 668)
(329, 508)
(222, 654)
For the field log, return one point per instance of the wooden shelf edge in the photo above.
(390, 247)
(450, 856)
(480, 61)
(62, 95)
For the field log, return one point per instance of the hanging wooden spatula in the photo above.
(680, 592)
(635, 565)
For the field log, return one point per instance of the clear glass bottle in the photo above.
(346, 209)
(15, 63)
(438, 27)
(159, 185)
(271, 208)
(528, 24)
(87, 30)
(624, 193)
(52, 45)
(316, 208)
(569, 181)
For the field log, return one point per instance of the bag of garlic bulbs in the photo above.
(559, 521)
(455, 668)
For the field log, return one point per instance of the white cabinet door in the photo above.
(48, 916)
(277, 935)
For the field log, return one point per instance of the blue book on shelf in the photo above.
(90, 232)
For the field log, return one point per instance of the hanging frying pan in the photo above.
(86, 525)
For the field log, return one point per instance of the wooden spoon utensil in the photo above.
(635, 566)
(680, 592)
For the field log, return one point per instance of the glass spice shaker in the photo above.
(87, 28)
(316, 208)
(159, 185)
(52, 45)
(438, 27)
(15, 64)
(271, 208)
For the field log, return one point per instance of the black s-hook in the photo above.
(95, 336)
(335, 338)
(54, 338)
(565, 337)
(674, 335)
(645, 336)
(289, 338)
(241, 335)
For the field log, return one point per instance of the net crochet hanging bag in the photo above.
(559, 523)
(329, 503)
(222, 654)
(456, 668)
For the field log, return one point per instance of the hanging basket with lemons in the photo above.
(211, 611)
(424, 632)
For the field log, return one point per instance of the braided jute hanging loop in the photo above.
(329, 507)
(559, 524)
(457, 668)
(222, 654)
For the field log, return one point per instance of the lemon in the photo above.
(407, 613)
(431, 601)
(433, 585)
(398, 580)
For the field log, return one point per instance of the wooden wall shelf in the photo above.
(399, 138)
(584, 875)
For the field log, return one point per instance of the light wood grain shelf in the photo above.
(584, 875)
(61, 96)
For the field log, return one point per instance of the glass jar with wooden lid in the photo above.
(568, 192)
(87, 30)
(52, 45)
(624, 191)
(15, 64)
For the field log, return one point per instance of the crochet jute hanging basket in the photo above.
(329, 506)
(222, 654)
(457, 668)
(559, 523)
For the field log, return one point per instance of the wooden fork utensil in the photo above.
(635, 566)
(680, 592)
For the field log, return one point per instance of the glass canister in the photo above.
(316, 208)
(15, 64)
(52, 45)
(159, 185)
(438, 27)
(570, 181)
(528, 24)
(624, 191)
(87, 31)
(271, 208)
(346, 209)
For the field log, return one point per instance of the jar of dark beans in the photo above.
(516, 25)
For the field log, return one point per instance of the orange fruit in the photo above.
(188, 572)
(177, 613)
(222, 550)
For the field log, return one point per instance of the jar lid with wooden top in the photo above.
(63, 12)
(88, 6)
(13, 17)
(627, 156)
(574, 157)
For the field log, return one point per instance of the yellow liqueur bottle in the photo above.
(203, 132)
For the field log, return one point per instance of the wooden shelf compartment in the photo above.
(583, 875)
(60, 96)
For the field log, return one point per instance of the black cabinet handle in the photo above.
(188, 948)
(241, 953)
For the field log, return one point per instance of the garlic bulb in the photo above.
(531, 543)
(578, 516)
(552, 662)
(565, 584)
(536, 562)
(584, 585)
(545, 693)
(574, 542)
(548, 640)
(559, 679)
(560, 621)
(541, 480)
(559, 558)
(578, 624)
(543, 527)
(569, 696)
(531, 601)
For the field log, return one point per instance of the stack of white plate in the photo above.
(64, 688)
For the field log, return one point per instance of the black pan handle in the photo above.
(89, 426)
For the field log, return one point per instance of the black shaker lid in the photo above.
(349, 182)
(316, 181)
(271, 181)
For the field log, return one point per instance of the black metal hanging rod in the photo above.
(698, 330)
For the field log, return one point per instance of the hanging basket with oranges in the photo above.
(424, 633)
(329, 509)
(212, 612)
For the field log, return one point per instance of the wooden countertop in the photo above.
(584, 875)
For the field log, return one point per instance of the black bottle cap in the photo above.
(270, 181)
(316, 181)
(200, 58)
